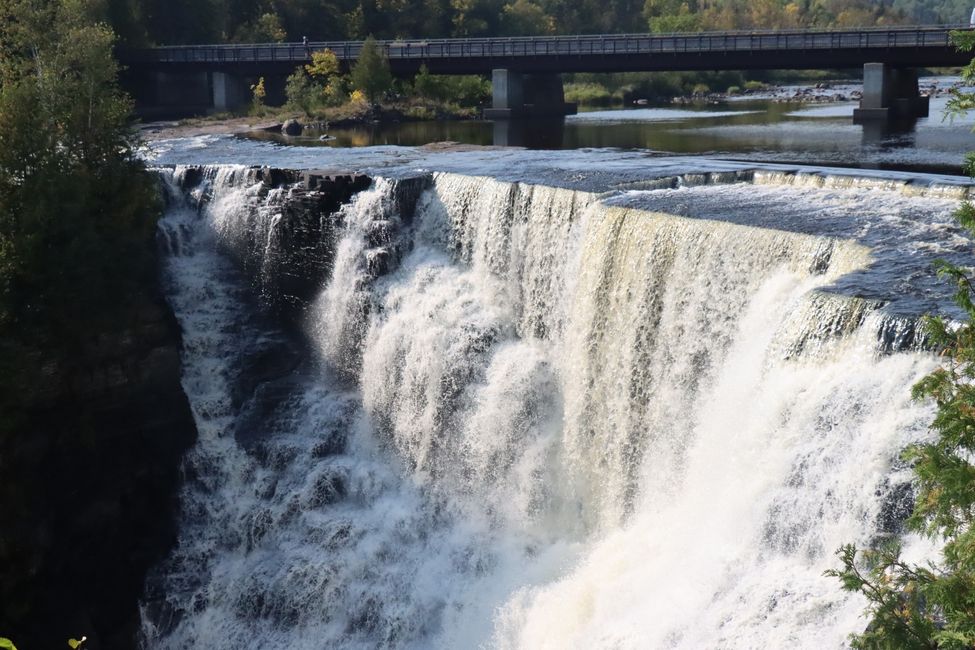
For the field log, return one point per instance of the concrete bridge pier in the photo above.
(230, 92)
(522, 95)
(889, 94)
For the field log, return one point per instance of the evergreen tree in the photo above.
(371, 74)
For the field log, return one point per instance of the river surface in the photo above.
(768, 128)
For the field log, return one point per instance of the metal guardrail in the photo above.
(595, 45)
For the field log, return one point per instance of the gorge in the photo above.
(485, 399)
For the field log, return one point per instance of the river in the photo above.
(769, 128)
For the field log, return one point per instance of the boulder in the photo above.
(292, 127)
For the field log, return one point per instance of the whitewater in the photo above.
(525, 414)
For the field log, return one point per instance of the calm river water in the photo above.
(760, 129)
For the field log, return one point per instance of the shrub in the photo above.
(755, 85)
(420, 113)
(460, 90)
(700, 89)
(300, 92)
(592, 94)
(336, 92)
(259, 95)
(734, 90)
(357, 97)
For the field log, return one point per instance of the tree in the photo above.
(266, 28)
(300, 91)
(933, 606)
(525, 18)
(324, 65)
(371, 73)
(76, 205)
(77, 218)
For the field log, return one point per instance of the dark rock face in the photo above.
(89, 484)
(306, 238)
(291, 272)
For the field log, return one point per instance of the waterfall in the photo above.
(529, 417)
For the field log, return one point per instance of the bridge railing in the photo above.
(528, 46)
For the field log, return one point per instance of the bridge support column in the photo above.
(230, 92)
(519, 95)
(889, 94)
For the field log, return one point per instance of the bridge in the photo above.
(525, 70)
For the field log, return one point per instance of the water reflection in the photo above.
(747, 130)
(539, 133)
(882, 134)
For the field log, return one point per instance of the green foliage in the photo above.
(266, 28)
(899, 617)
(656, 86)
(675, 23)
(733, 90)
(466, 91)
(76, 206)
(933, 606)
(300, 92)
(7, 644)
(420, 113)
(199, 21)
(695, 15)
(336, 91)
(371, 74)
(525, 18)
(588, 94)
(312, 87)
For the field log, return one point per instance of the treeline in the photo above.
(699, 15)
(159, 22)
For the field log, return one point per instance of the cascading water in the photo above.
(531, 419)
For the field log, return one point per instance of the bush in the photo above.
(300, 92)
(700, 90)
(259, 95)
(755, 85)
(336, 92)
(734, 90)
(588, 94)
(420, 113)
(461, 90)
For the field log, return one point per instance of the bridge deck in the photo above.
(798, 49)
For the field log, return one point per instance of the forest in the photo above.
(169, 22)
